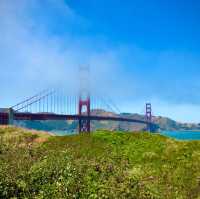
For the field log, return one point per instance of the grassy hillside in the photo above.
(100, 165)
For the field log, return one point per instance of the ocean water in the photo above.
(182, 135)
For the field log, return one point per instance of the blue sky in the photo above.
(137, 50)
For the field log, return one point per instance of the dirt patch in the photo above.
(40, 132)
(40, 140)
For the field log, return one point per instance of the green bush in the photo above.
(100, 165)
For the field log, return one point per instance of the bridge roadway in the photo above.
(51, 116)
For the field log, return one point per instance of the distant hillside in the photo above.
(169, 124)
(163, 123)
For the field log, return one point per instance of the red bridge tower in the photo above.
(148, 116)
(84, 101)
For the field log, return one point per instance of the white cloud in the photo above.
(32, 58)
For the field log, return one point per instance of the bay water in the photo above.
(182, 135)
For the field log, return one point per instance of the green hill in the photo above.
(103, 164)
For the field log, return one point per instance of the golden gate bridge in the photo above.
(56, 105)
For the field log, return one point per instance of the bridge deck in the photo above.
(48, 116)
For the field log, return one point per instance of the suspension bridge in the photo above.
(56, 105)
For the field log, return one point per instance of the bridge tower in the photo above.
(148, 116)
(84, 100)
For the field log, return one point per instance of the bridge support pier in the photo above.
(10, 116)
(149, 128)
(6, 116)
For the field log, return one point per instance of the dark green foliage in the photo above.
(101, 165)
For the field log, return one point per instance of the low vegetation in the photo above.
(101, 165)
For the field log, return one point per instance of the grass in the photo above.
(101, 165)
